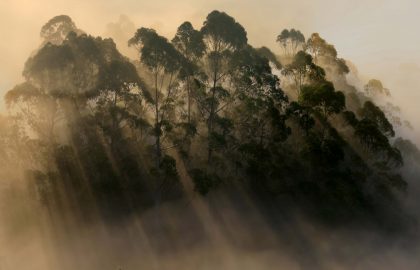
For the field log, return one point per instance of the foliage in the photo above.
(375, 114)
(323, 98)
(203, 181)
(302, 70)
(56, 30)
(375, 87)
(267, 53)
(115, 136)
(291, 41)
(326, 55)
(222, 32)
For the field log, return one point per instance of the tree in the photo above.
(79, 69)
(267, 53)
(121, 102)
(373, 113)
(291, 40)
(259, 122)
(76, 68)
(66, 85)
(375, 87)
(283, 39)
(222, 36)
(325, 55)
(322, 98)
(164, 62)
(37, 109)
(260, 106)
(373, 138)
(372, 132)
(317, 46)
(190, 43)
(302, 115)
(408, 149)
(56, 30)
(302, 70)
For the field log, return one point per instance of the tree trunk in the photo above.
(189, 100)
(211, 116)
(157, 125)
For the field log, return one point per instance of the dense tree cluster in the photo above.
(101, 128)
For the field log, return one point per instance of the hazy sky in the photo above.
(380, 36)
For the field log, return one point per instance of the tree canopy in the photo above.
(291, 41)
(323, 98)
(303, 70)
(201, 111)
(56, 30)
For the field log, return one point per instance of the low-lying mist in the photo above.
(200, 234)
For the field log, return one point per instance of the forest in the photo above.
(198, 120)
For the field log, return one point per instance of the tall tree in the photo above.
(190, 43)
(120, 102)
(222, 36)
(291, 41)
(323, 98)
(302, 70)
(61, 82)
(316, 46)
(372, 131)
(325, 55)
(375, 114)
(259, 108)
(164, 62)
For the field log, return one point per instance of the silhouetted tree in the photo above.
(325, 55)
(164, 61)
(291, 41)
(373, 113)
(267, 53)
(322, 98)
(302, 70)
(190, 43)
(56, 30)
(222, 36)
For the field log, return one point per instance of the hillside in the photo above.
(201, 141)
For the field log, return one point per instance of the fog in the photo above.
(379, 36)
(228, 230)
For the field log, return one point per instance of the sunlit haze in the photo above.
(380, 36)
(198, 134)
